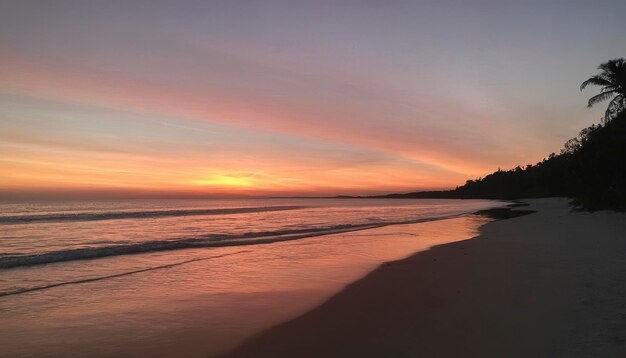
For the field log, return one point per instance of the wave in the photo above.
(249, 238)
(99, 278)
(59, 217)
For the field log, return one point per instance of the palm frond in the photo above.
(600, 97)
(616, 106)
(609, 67)
(596, 81)
(619, 102)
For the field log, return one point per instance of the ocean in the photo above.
(147, 277)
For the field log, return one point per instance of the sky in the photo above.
(105, 98)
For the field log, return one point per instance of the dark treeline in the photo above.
(591, 169)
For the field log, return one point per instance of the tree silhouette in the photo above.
(591, 168)
(612, 79)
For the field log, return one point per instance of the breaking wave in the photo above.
(249, 238)
(91, 216)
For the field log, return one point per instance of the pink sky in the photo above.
(279, 99)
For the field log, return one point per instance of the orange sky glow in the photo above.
(171, 102)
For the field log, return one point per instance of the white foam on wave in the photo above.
(94, 216)
(250, 238)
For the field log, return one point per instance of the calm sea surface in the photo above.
(152, 277)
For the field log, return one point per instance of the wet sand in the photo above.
(549, 284)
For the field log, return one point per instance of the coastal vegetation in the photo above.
(590, 169)
(612, 79)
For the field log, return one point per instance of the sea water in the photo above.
(152, 277)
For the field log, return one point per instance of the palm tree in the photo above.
(612, 79)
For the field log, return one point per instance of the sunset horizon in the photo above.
(312, 178)
(205, 108)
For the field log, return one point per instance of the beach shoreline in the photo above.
(206, 300)
(543, 285)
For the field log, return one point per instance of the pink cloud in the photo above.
(423, 128)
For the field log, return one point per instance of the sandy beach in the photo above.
(549, 284)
